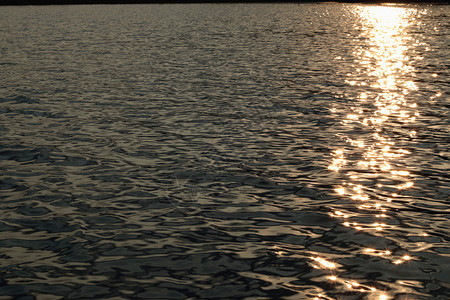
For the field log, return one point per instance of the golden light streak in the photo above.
(373, 158)
(324, 263)
(400, 173)
(369, 250)
(340, 190)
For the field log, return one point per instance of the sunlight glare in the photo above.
(324, 263)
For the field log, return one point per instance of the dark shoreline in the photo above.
(84, 2)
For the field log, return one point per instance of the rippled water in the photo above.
(291, 151)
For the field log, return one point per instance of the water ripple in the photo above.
(266, 151)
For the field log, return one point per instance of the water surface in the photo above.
(239, 151)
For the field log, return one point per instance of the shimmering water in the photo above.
(241, 151)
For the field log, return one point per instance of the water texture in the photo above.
(238, 151)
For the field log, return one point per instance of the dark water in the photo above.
(224, 151)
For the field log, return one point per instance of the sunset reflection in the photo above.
(384, 104)
(370, 162)
(323, 263)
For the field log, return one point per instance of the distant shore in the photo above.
(72, 2)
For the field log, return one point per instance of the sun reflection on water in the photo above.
(369, 164)
(323, 263)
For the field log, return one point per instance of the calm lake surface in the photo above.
(238, 151)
